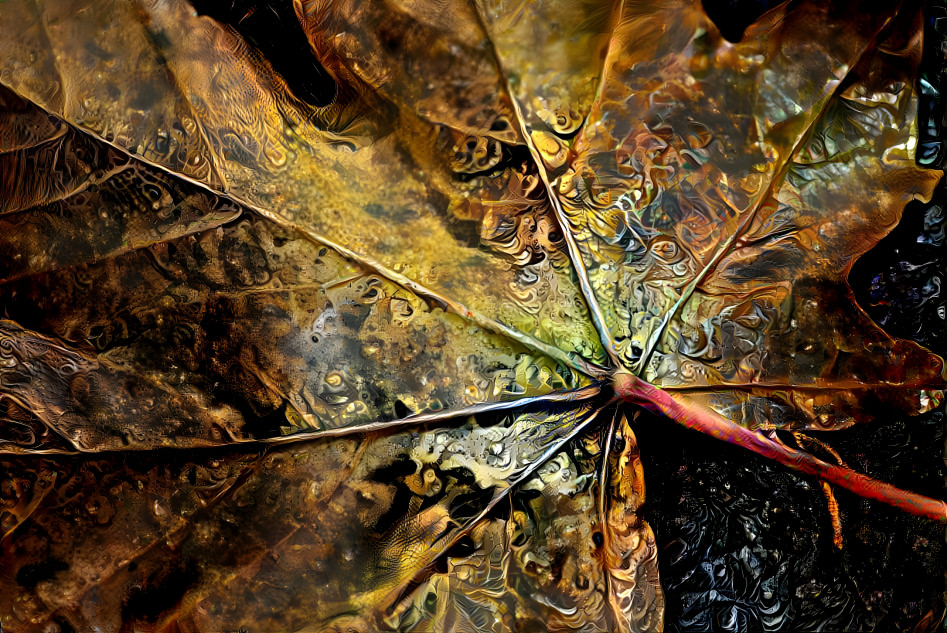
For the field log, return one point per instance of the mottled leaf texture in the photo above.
(359, 341)
(720, 193)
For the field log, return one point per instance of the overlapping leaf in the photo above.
(194, 257)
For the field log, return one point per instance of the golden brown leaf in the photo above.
(359, 348)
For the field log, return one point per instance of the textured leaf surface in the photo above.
(161, 315)
(365, 175)
(277, 364)
(720, 193)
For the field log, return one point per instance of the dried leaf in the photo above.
(277, 364)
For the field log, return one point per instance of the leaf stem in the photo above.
(632, 389)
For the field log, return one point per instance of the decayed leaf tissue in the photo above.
(327, 315)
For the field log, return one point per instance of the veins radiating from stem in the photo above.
(576, 396)
(572, 361)
(779, 175)
(403, 590)
(654, 401)
(733, 434)
(697, 418)
(572, 247)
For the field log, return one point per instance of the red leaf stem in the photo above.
(679, 408)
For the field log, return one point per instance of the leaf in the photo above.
(233, 326)
(278, 364)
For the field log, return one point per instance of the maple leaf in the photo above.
(285, 360)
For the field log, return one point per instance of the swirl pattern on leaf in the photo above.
(344, 366)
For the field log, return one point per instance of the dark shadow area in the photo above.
(899, 282)
(274, 29)
(746, 545)
(732, 17)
